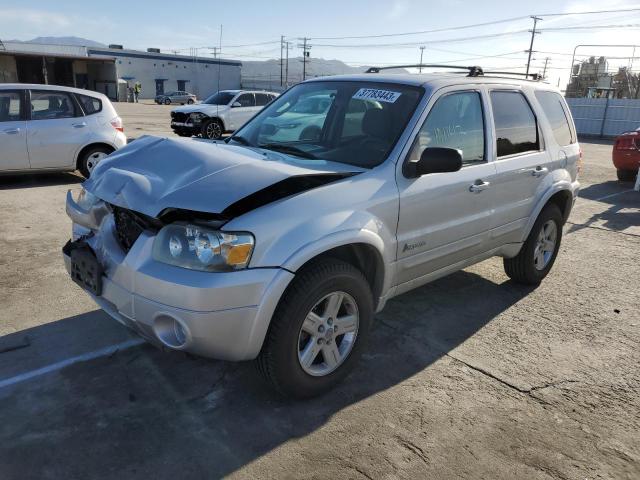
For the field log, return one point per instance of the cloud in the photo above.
(399, 9)
(33, 18)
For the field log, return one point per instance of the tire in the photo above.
(91, 158)
(212, 129)
(626, 175)
(280, 361)
(522, 268)
(190, 101)
(167, 101)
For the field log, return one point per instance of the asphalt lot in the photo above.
(471, 376)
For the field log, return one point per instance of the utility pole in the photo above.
(215, 52)
(286, 71)
(533, 34)
(305, 54)
(281, 58)
(421, 52)
(544, 72)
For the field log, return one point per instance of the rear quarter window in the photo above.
(90, 105)
(554, 110)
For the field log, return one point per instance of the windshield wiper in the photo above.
(289, 149)
(242, 140)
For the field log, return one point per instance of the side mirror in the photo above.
(434, 160)
(236, 105)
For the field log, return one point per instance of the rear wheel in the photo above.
(626, 175)
(212, 129)
(91, 158)
(318, 330)
(539, 251)
(167, 101)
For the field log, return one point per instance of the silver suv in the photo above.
(281, 249)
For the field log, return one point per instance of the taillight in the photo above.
(117, 124)
(626, 143)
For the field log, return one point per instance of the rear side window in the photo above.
(553, 109)
(455, 121)
(247, 100)
(516, 126)
(90, 105)
(51, 105)
(262, 99)
(10, 106)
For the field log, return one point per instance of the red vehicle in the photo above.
(626, 155)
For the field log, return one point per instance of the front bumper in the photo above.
(223, 315)
(186, 126)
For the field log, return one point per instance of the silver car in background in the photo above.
(48, 128)
(176, 97)
(281, 243)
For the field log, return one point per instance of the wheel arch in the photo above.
(364, 256)
(562, 196)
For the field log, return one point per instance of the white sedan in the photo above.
(52, 128)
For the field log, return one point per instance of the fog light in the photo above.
(170, 331)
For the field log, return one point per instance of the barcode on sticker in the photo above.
(374, 94)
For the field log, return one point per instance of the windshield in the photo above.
(220, 98)
(357, 123)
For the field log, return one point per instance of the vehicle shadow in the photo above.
(30, 180)
(147, 414)
(622, 213)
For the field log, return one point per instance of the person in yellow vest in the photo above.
(137, 88)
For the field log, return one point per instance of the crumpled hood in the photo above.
(152, 174)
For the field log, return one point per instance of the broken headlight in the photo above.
(201, 248)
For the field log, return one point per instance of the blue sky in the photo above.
(179, 26)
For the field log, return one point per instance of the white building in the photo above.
(111, 70)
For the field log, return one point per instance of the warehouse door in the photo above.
(160, 86)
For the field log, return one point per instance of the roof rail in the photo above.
(474, 71)
(534, 76)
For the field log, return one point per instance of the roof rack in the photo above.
(474, 71)
(534, 76)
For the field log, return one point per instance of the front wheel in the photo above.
(318, 330)
(190, 101)
(539, 251)
(212, 129)
(167, 101)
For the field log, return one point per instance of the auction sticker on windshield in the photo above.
(375, 94)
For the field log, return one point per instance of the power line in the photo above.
(474, 25)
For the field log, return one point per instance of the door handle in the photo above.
(79, 125)
(539, 171)
(478, 186)
(11, 131)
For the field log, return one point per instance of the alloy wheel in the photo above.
(328, 334)
(213, 130)
(545, 245)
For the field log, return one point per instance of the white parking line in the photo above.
(103, 352)
(605, 197)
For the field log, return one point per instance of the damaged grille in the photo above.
(179, 117)
(129, 226)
